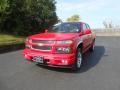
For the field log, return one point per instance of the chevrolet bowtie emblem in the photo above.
(40, 44)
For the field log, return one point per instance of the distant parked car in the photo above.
(61, 46)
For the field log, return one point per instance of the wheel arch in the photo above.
(80, 45)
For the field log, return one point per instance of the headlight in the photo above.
(63, 49)
(64, 42)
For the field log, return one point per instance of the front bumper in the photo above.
(53, 60)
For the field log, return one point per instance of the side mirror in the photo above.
(81, 33)
(87, 31)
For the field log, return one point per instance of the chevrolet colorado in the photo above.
(62, 45)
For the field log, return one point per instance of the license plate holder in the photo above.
(38, 59)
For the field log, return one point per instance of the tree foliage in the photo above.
(25, 17)
(74, 18)
(3, 5)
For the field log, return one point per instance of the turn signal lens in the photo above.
(27, 46)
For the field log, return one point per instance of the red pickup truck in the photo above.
(62, 45)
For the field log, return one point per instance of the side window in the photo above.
(84, 27)
(88, 27)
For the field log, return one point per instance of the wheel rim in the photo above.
(79, 59)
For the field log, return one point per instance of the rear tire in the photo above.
(78, 60)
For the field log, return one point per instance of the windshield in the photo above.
(65, 27)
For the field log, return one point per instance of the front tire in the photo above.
(92, 48)
(78, 60)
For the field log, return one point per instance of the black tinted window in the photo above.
(66, 27)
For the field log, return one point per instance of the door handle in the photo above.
(89, 35)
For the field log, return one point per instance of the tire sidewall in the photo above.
(92, 48)
(75, 67)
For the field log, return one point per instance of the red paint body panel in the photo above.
(49, 54)
(54, 36)
(54, 59)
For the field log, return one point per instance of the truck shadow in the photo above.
(90, 61)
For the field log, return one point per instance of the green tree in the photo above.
(74, 18)
(25, 17)
(3, 5)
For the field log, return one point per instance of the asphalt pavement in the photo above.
(101, 71)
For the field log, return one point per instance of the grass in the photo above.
(7, 39)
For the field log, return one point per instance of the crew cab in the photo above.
(62, 45)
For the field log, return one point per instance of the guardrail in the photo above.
(107, 32)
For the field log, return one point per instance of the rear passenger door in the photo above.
(89, 35)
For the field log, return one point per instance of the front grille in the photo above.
(46, 48)
(43, 41)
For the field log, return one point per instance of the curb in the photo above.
(10, 48)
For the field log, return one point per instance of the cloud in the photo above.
(80, 7)
(89, 5)
(91, 11)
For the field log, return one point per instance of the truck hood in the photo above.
(54, 36)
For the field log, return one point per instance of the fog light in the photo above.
(27, 57)
(64, 62)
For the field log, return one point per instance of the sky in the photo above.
(93, 12)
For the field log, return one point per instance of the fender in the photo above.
(80, 42)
